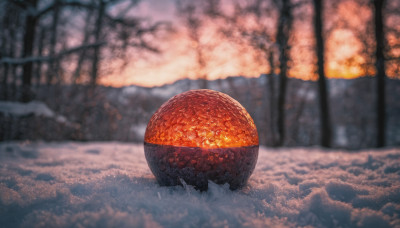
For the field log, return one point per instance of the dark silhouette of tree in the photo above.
(40, 48)
(380, 71)
(97, 36)
(83, 55)
(362, 32)
(266, 40)
(121, 33)
(192, 20)
(271, 89)
(8, 30)
(392, 33)
(284, 28)
(29, 39)
(40, 42)
(53, 42)
(322, 86)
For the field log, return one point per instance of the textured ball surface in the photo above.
(201, 135)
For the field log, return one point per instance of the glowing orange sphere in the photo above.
(201, 135)
(202, 118)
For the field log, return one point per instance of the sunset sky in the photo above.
(226, 58)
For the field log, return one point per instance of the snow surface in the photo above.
(110, 185)
(36, 108)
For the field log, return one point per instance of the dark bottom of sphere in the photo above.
(196, 166)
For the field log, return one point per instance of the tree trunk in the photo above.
(5, 82)
(284, 27)
(4, 52)
(38, 72)
(322, 87)
(82, 56)
(271, 97)
(13, 95)
(29, 39)
(52, 71)
(97, 49)
(201, 63)
(380, 72)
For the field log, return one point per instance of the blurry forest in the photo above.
(53, 52)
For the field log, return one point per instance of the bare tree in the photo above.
(29, 39)
(392, 33)
(122, 32)
(380, 71)
(5, 44)
(53, 41)
(284, 28)
(44, 42)
(267, 41)
(97, 36)
(83, 55)
(361, 32)
(193, 22)
(271, 89)
(40, 48)
(322, 86)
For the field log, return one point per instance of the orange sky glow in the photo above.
(178, 58)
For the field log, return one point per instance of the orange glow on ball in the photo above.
(201, 135)
(202, 118)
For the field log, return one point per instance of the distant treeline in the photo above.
(58, 42)
(122, 114)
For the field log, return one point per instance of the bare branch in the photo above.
(392, 58)
(133, 22)
(21, 61)
(50, 7)
(300, 3)
(19, 4)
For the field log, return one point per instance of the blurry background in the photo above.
(309, 72)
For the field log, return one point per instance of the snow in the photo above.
(166, 91)
(36, 108)
(129, 90)
(307, 94)
(73, 184)
(139, 129)
(341, 137)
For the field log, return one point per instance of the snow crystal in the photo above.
(110, 185)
